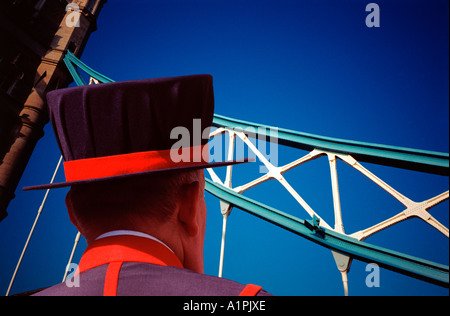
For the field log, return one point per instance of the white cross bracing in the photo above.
(412, 208)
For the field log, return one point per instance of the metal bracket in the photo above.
(313, 225)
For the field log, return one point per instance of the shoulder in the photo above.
(161, 280)
(89, 283)
(143, 279)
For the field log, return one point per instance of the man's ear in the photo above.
(188, 207)
(69, 206)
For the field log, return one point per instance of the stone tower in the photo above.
(34, 36)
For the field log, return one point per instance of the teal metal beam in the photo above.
(74, 72)
(402, 263)
(399, 157)
(70, 60)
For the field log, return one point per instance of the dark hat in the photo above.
(132, 128)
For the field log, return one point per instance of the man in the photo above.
(142, 212)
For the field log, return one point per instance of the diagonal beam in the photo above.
(400, 157)
(418, 268)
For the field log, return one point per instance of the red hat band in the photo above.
(102, 167)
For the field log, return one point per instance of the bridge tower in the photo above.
(34, 37)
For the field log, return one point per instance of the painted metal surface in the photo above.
(414, 159)
(419, 268)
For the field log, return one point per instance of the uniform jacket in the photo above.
(137, 266)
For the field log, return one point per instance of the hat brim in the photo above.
(136, 174)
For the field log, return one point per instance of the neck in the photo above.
(131, 233)
(167, 233)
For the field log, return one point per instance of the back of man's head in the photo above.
(128, 203)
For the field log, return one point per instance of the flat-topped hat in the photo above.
(125, 129)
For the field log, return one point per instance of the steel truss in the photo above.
(344, 247)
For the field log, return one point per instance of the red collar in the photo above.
(115, 250)
(126, 248)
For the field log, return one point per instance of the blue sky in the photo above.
(311, 66)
